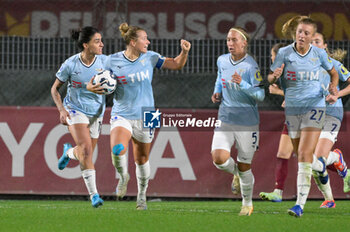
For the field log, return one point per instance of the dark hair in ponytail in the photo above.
(83, 35)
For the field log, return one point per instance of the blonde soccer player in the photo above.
(238, 89)
(134, 70)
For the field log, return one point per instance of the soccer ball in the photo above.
(108, 81)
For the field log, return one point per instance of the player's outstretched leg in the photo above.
(64, 160)
(340, 165)
(96, 201)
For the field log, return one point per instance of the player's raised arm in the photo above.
(179, 61)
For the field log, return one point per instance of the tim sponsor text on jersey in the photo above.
(139, 76)
(302, 75)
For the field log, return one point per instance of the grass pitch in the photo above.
(40, 215)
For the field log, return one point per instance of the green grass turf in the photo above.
(25, 215)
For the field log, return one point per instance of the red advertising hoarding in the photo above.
(31, 140)
(171, 19)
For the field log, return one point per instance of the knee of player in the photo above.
(217, 160)
(85, 150)
(118, 149)
(306, 153)
(219, 157)
(141, 159)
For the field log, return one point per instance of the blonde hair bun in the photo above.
(123, 28)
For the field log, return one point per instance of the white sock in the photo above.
(89, 176)
(278, 191)
(120, 163)
(333, 157)
(229, 166)
(247, 184)
(70, 154)
(303, 182)
(316, 164)
(143, 173)
(324, 188)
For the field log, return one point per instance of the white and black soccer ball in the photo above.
(108, 81)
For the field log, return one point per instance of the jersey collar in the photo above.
(238, 61)
(295, 50)
(132, 61)
(88, 66)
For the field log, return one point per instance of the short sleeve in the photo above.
(343, 73)
(326, 61)
(255, 75)
(157, 60)
(279, 60)
(63, 73)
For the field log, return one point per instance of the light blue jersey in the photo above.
(238, 105)
(78, 75)
(134, 89)
(301, 78)
(336, 109)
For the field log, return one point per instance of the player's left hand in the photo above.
(331, 99)
(333, 96)
(185, 46)
(332, 89)
(95, 88)
(236, 78)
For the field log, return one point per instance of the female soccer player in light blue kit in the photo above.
(82, 110)
(134, 70)
(299, 65)
(237, 87)
(334, 116)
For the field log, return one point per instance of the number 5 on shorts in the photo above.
(255, 138)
